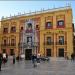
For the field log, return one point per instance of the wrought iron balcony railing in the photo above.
(5, 32)
(61, 43)
(13, 44)
(4, 44)
(48, 43)
(8, 45)
(56, 43)
(32, 44)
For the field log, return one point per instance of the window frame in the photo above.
(5, 42)
(13, 29)
(60, 26)
(29, 37)
(37, 27)
(49, 27)
(49, 42)
(61, 42)
(29, 26)
(13, 42)
(5, 30)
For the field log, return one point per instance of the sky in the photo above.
(14, 7)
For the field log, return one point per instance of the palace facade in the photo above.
(48, 32)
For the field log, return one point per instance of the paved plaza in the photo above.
(53, 67)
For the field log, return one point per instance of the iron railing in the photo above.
(61, 43)
(32, 44)
(8, 44)
(55, 43)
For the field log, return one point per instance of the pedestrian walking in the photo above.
(0, 61)
(38, 58)
(4, 58)
(34, 60)
(72, 57)
(13, 58)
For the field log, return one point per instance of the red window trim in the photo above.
(51, 27)
(58, 25)
(46, 27)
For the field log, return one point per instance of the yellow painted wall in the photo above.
(68, 29)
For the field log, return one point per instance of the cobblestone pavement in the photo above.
(53, 67)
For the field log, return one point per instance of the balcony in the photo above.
(49, 43)
(35, 44)
(6, 45)
(13, 31)
(25, 45)
(55, 43)
(5, 32)
(12, 44)
(61, 43)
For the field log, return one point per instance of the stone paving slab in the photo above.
(53, 67)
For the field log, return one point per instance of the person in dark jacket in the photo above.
(72, 56)
(13, 58)
(0, 61)
(34, 60)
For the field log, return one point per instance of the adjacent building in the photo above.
(48, 32)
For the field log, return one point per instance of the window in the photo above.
(5, 43)
(13, 42)
(29, 28)
(60, 23)
(37, 27)
(29, 25)
(48, 24)
(61, 40)
(13, 29)
(29, 39)
(74, 37)
(4, 50)
(21, 28)
(11, 51)
(48, 40)
(5, 30)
